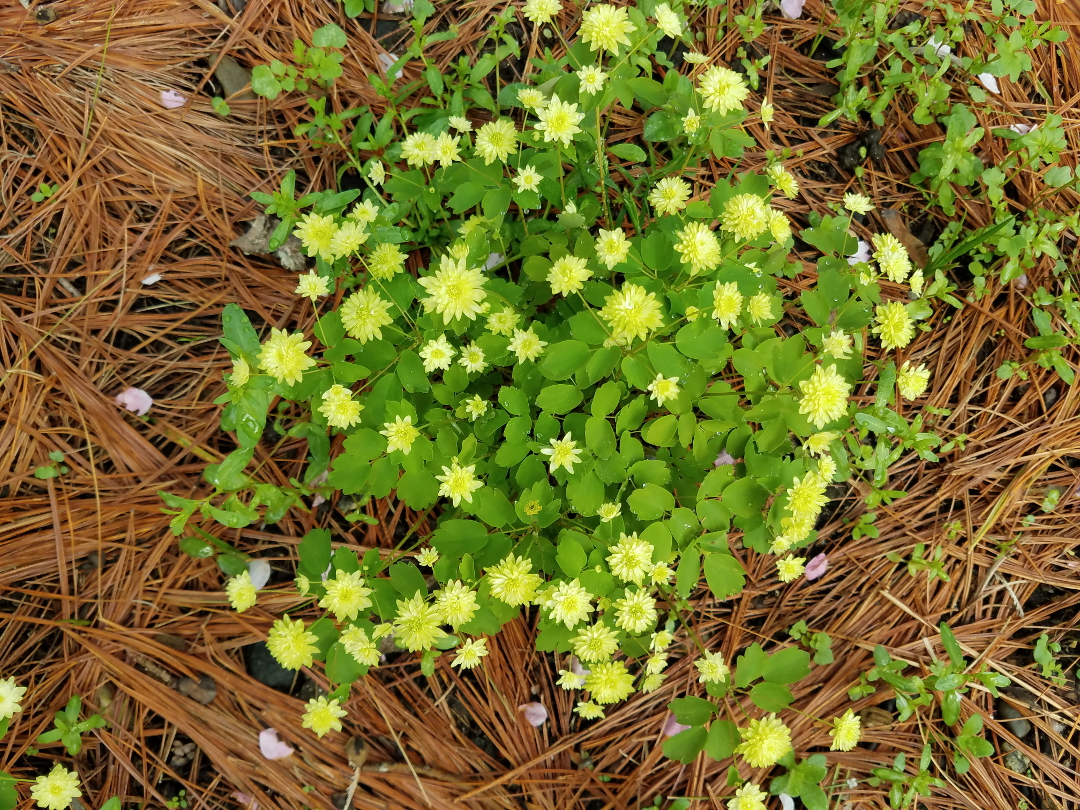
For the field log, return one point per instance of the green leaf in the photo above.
(329, 36)
(493, 507)
(571, 555)
(455, 538)
(771, 697)
(651, 502)
(314, 551)
(744, 497)
(688, 573)
(264, 83)
(627, 151)
(514, 400)
(407, 579)
(559, 398)
(418, 488)
(561, 360)
(196, 547)
(237, 329)
(787, 666)
(750, 665)
(686, 745)
(724, 574)
(341, 667)
(951, 645)
(410, 370)
(723, 738)
(663, 126)
(692, 711)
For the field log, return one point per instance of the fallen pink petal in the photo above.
(535, 713)
(259, 571)
(724, 459)
(1021, 129)
(792, 9)
(135, 400)
(786, 802)
(272, 746)
(245, 800)
(171, 100)
(153, 278)
(860, 255)
(817, 567)
(576, 667)
(673, 726)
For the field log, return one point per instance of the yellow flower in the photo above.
(827, 468)
(824, 396)
(722, 89)
(691, 122)
(845, 732)
(312, 286)
(339, 408)
(661, 574)
(768, 112)
(359, 646)
(348, 239)
(364, 314)
(427, 557)
(57, 790)
(916, 282)
(241, 371)
(712, 668)
(447, 149)
(533, 507)
(893, 325)
(472, 359)
(746, 216)
(589, 711)
(668, 21)
(695, 58)
(630, 558)
(461, 123)
(282, 356)
(790, 568)
(748, 797)
(496, 140)
(512, 581)
(607, 512)
(784, 180)
(568, 275)
(651, 682)
(663, 388)
(419, 149)
(891, 256)
(291, 644)
(531, 98)
(470, 653)
(437, 354)
(376, 173)
(568, 602)
(455, 291)
(807, 496)
(385, 261)
(606, 27)
(698, 247)
(612, 247)
(323, 716)
(503, 322)
(912, 380)
(631, 312)
(458, 482)
(417, 624)
(858, 203)
(596, 642)
(591, 79)
(400, 434)
(563, 453)
(456, 603)
(11, 697)
(541, 11)
(759, 307)
(364, 212)
(727, 303)
(635, 612)
(609, 682)
(764, 742)
(526, 345)
(660, 640)
(315, 233)
(346, 595)
(818, 443)
(528, 179)
(656, 663)
(779, 226)
(669, 196)
(838, 344)
(241, 593)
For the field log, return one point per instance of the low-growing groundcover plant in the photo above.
(606, 377)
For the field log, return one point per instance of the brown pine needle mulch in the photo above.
(97, 601)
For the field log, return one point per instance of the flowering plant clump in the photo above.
(551, 340)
